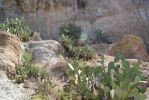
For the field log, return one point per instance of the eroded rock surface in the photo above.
(11, 91)
(48, 52)
(10, 51)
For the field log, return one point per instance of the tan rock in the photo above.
(131, 46)
(10, 50)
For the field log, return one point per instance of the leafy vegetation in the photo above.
(67, 43)
(72, 31)
(102, 37)
(27, 69)
(85, 52)
(45, 85)
(120, 80)
(18, 27)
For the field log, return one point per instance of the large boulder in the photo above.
(10, 51)
(131, 46)
(47, 54)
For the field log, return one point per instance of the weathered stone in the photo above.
(10, 51)
(131, 46)
(47, 54)
(11, 91)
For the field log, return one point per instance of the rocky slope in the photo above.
(47, 54)
(10, 51)
(11, 91)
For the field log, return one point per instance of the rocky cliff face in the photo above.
(115, 17)
(8, 9)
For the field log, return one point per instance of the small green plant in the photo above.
(26, 69)
(72, 31)
(72, 51)
(67, 42)
(45, 83)
(44, 87)
(85, 53)
(18, 27)
(117, 81)
(102, 37)
(65, 96)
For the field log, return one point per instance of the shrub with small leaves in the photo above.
(18, 27)
(72, 51)
(72, 31)
(85, 53)
(26, 69)
(67, 42)
(44, 87)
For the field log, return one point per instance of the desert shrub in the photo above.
(85, 53)
(73, 51)
(72, 31)
(117, 81)
(44, 87)
(67, 42)
(26, 69)
(102, 37)
(18, 27)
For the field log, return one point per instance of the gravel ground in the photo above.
(11, 91)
